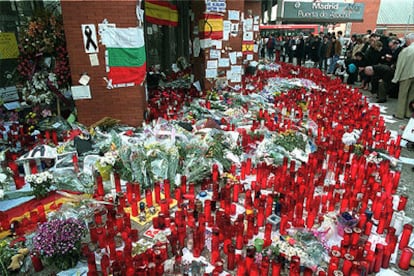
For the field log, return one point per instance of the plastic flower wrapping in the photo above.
(303, 243)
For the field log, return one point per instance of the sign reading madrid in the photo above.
(322, 11)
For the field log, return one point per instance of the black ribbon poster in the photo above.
(90, 40)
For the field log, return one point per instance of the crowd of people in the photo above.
(379, 62)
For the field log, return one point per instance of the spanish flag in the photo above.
(161, 13)
(248, 47)
(211, 26)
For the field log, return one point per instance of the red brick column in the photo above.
(126, 104)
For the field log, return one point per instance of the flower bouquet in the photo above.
(6, 177)
(6, 253)
(59, 242)
(106, 163)
(40, 183)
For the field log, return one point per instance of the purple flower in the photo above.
(57, 237)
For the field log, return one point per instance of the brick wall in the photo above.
(126, 104)
(370, 17)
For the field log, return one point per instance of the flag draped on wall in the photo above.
(211, 26)
(161, 13)
(125, 56)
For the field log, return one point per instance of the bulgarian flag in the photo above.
(125, 56)
(161, 13)
(211, 26)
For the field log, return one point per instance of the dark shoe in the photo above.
(381, 101)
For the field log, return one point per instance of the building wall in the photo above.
(370, 17)
(126, 104)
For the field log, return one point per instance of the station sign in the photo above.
(318, 12)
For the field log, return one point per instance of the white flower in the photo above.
(3, 177)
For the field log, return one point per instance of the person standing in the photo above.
(404, 75)
(323, 61)
(335, 53)
(278, 48)
(300, 50)
(359, 44)
(314, 53)
(271, 48)
(290, 48)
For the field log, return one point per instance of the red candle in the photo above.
(129, 192)
(167, 190)
(379, 253)
(36, 262)
(294, 266)
(47, 135)
(117, 183)
(368, 228)
(183, 186)
(136, 189)
(402, 203)
(99, 184)
(134, 208)
(276, 268)
(347, 265)
(119, 222)
(230, 257)
(386, 257)
(178, 196)
(75, 163)
(332, 268)
(405, 236)
(91, 263)
(157, 190)
(165, 207)
(148, 198)
(236, 189)
(54, 137)
(241, 268)
(356, 232)
(405, 258)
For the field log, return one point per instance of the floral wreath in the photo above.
(43, 64)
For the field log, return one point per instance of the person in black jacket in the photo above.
(384, 73)
(300, 50)
(314, 52)
(373, 57)
(323, 61)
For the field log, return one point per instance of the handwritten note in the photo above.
(215, 54)
(212, 64)
(234, 15)
(211, 73)
(224, 62)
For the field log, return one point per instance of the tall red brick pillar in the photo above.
(126, 104)
(370, 17)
